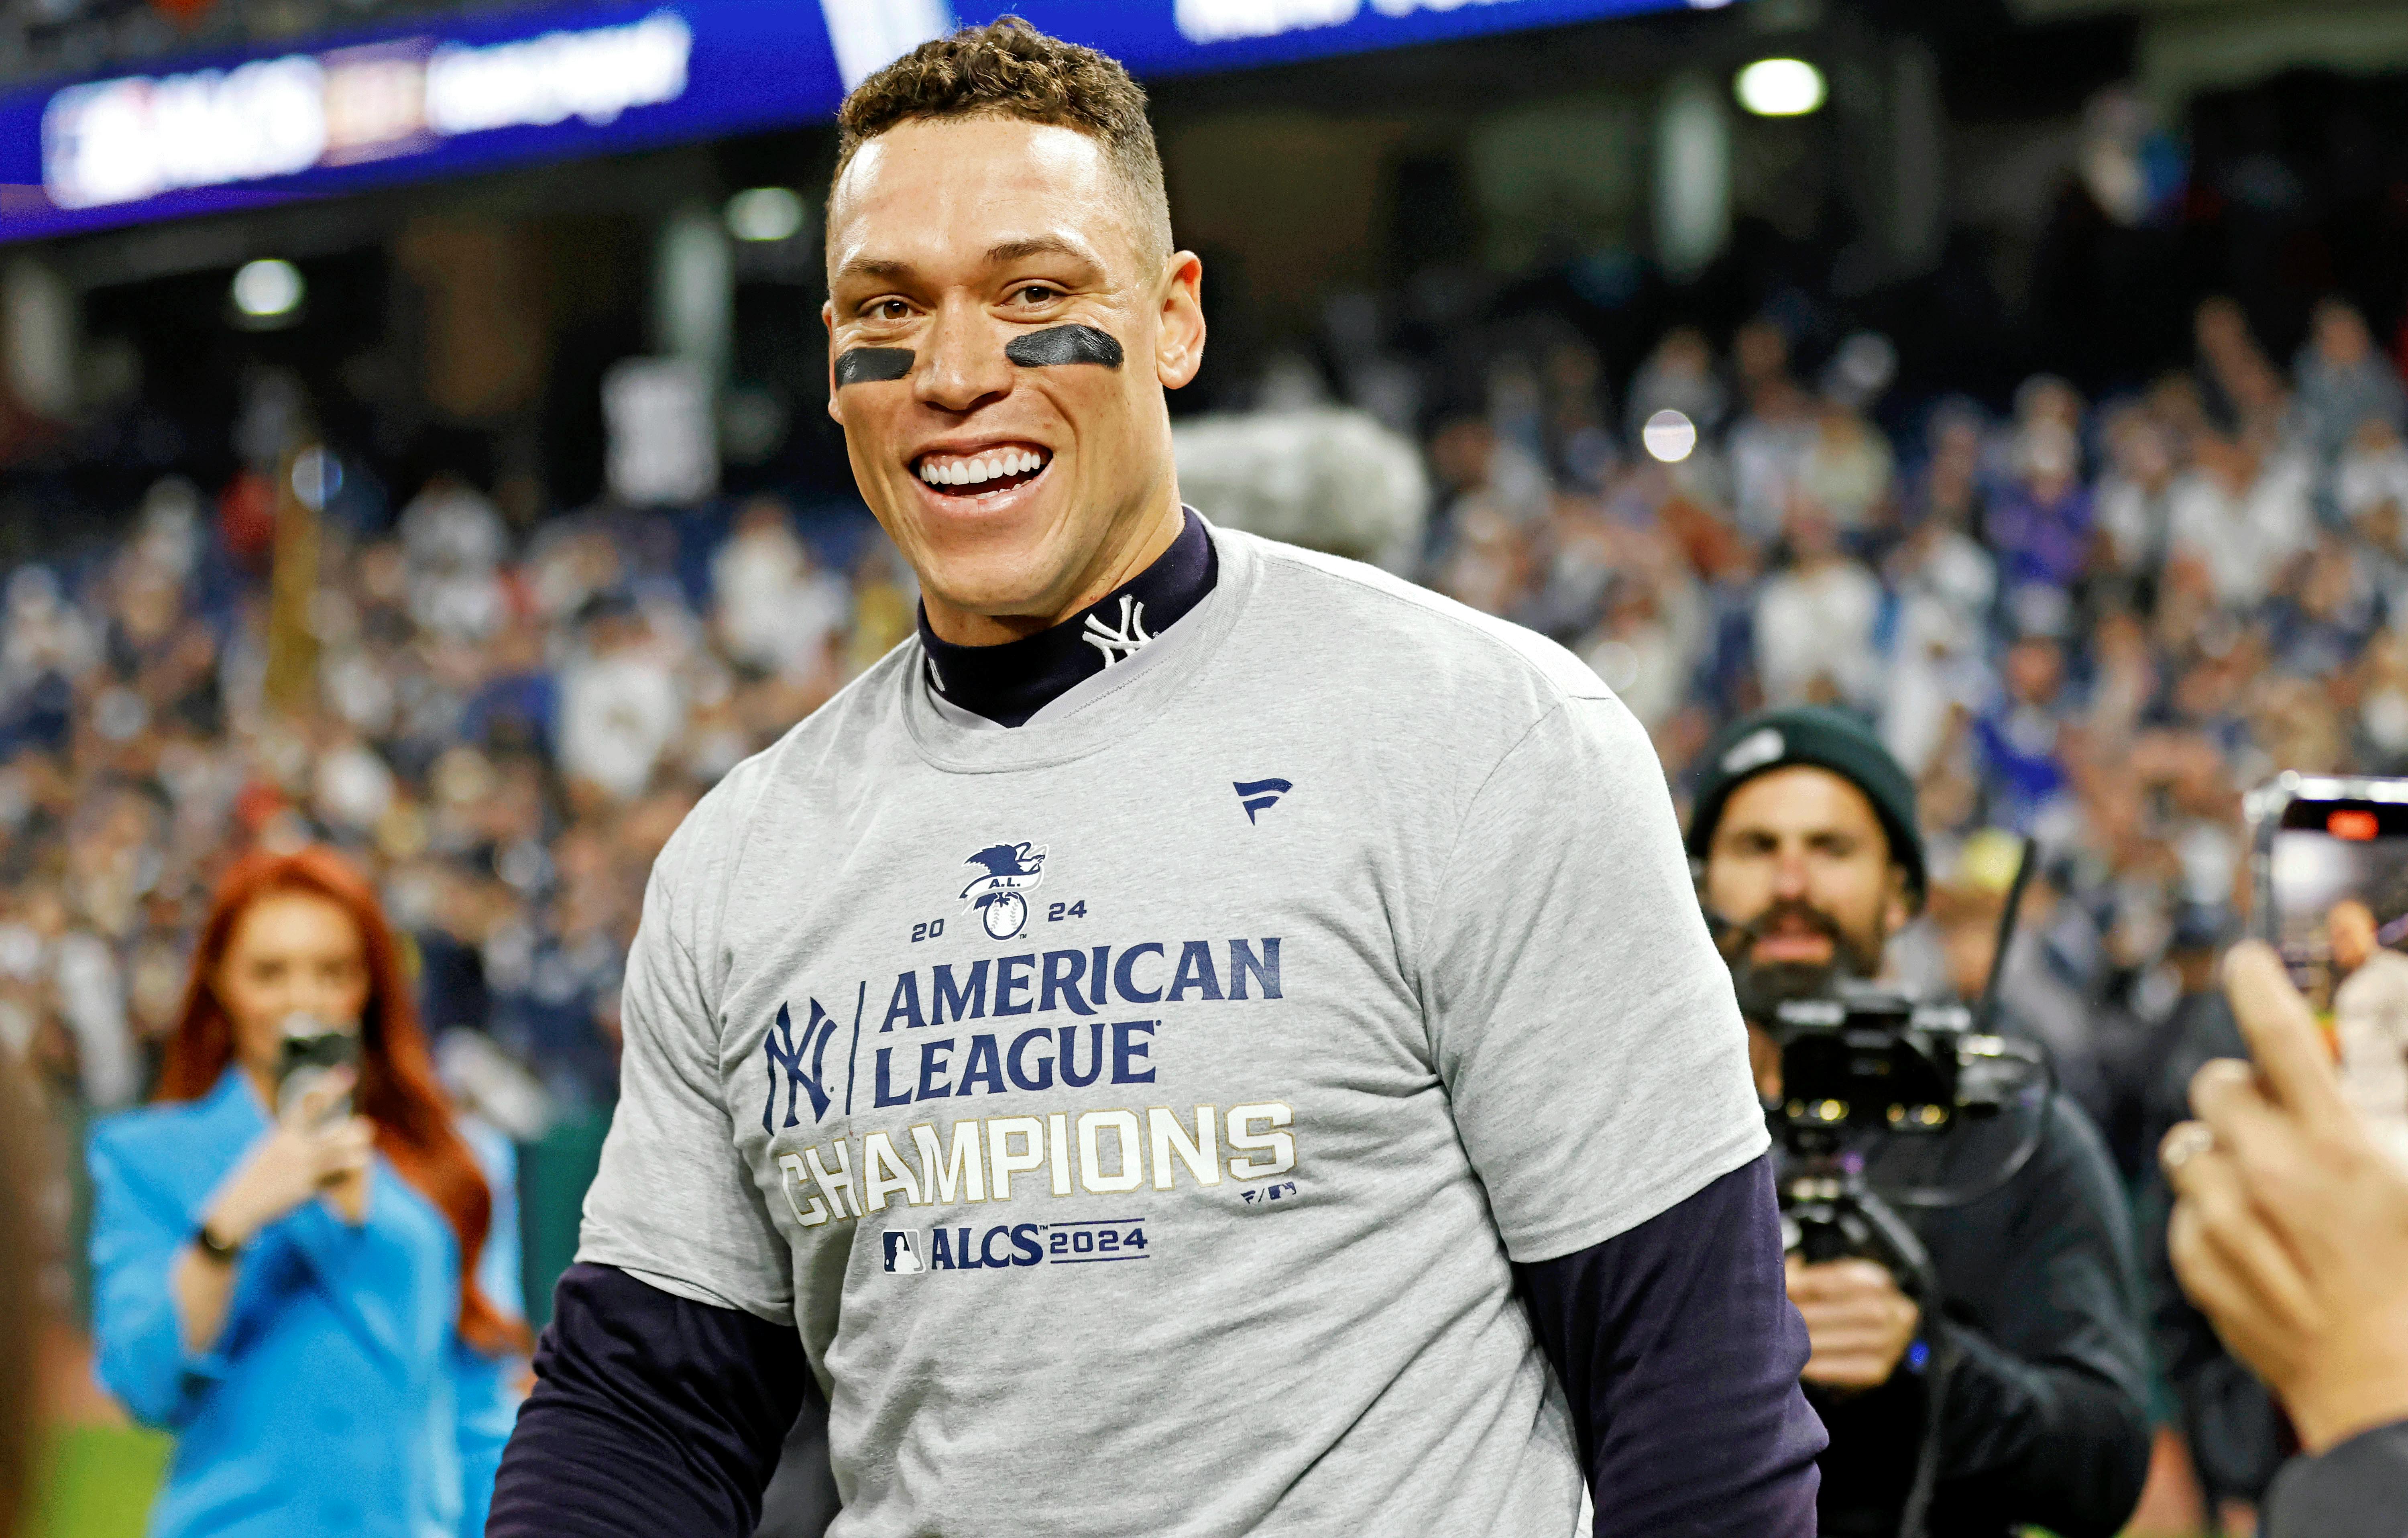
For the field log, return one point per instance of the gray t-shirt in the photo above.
(1137, 1110)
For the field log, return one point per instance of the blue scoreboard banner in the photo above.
(467, 95)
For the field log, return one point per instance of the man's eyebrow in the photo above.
(890, 270)
(1037, 245)
(875, 266)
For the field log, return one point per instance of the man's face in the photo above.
(1800, 870)
(950, 238)
(2351, 927)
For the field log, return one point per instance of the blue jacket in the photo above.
(339, 1397)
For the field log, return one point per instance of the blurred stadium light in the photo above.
(765, 213)
(1781, 88)
(268, 289)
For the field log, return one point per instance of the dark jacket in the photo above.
(2045, 1416)
(2359, 1490)
(2236, 1434)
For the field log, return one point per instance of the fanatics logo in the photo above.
(1012, 869)
(1259, 796)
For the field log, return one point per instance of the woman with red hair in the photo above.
(307, 1276)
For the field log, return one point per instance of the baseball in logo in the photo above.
(1011, 869)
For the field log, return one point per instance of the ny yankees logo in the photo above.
(1121, 644)
(785, 1050)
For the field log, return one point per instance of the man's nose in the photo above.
(965, 367)
(1789, 875)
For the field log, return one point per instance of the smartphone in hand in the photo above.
(2329, 863)
(312, 1049)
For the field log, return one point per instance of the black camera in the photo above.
(1861, 1065)
(1870, 1059)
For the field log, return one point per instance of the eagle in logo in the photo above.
(1011, 869)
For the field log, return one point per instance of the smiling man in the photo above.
(1205, 1039)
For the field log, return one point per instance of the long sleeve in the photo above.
(2046, 1417)
(2236, 1436)
(2227, 1416)
(141, 1359)
(486, 1387)
(652, 1414)
(2069, 1450)
(2359, 1490)
(1658, 1336)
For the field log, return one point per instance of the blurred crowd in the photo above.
(503, 727)
(2094, 622)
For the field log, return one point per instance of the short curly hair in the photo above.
(1009, 69)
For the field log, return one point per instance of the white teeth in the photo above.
(971, 472)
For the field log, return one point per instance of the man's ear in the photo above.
(1897, 904)
(1179, 336)
(827, 322)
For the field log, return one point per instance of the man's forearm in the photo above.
(1679, 1352)
(650, 1415)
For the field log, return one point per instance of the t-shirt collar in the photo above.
(1008, 685)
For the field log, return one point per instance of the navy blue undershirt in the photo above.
(1011, 683)
(1674, 1342)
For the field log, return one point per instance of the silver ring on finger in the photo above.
(2185, 1143)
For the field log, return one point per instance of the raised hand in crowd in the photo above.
(2290, 1231)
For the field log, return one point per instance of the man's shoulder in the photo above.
(1346, 614)
(2073, 1173)
(812, 751)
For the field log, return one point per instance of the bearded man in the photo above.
(1812, 860)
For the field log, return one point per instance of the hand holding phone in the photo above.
(314, 1148)
(2290, 1226)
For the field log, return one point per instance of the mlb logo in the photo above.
(903, 1251)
